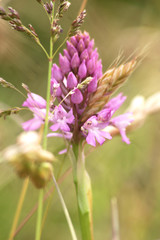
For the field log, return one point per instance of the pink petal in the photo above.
(55, 127)
(32, 124)
(34, 100)
(100, 139)
(124, 137)
(64, 127)
(91, 139)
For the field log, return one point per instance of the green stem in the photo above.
(48, 102)
(39, 215)
(42, 3)
(48, 89)
(41, 193)
(40, 44)
(84, 194)
(59, 47)
(36, 39)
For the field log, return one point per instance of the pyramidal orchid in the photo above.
(84, 111)
(78, 108)
(79, 98)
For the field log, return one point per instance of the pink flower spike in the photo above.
(77, 96)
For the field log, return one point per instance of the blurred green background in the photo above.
(129, 173)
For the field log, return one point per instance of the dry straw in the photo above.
(107, 84)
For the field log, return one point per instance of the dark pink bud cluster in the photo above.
(73, 83)
(79, 61)
(49, 7)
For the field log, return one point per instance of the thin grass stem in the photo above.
(115, 220)
(19, 207)
(34, 209)
(57, 50)
(50, 199)
(71, 228)
(83, 5)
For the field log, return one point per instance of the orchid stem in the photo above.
(84, 193)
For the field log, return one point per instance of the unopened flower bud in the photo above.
(17, 28)
(33, 30)
(56, 30)
(64, 5)
(49, 7)
(76, 24)
(13, 13)
(16, 22)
